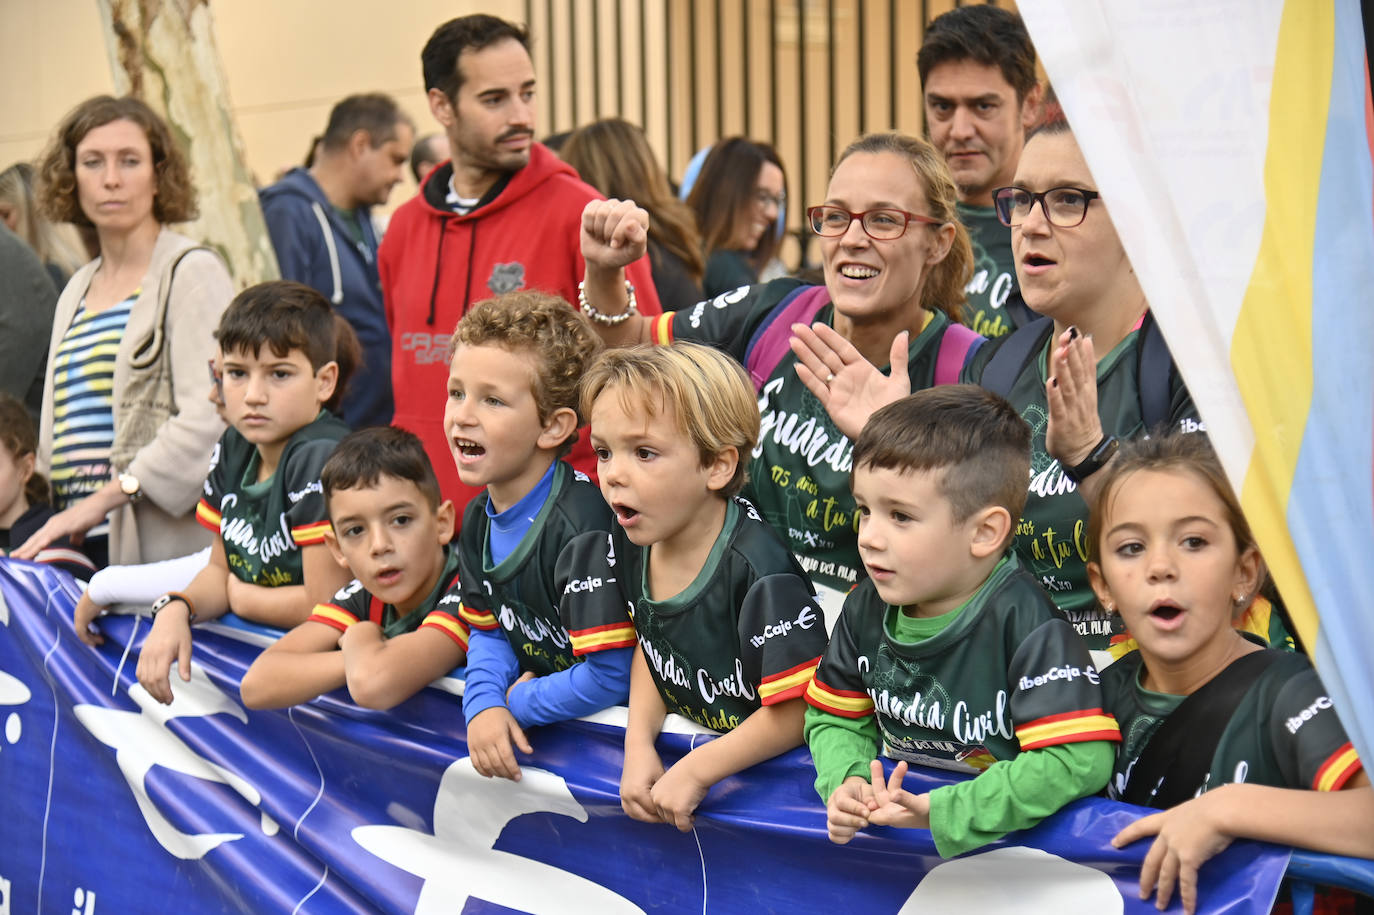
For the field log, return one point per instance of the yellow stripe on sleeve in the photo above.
(309, 534)
(845, 703)
(334, 616)
(449, 626)
(1337, 770)
(661, 331)
(1075, 728)
(619, 636)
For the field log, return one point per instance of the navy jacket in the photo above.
(314, 247)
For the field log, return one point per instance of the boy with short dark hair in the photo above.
(950, 654)
(396, 625)
(514, 367)
(284, 361)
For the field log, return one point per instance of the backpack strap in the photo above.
(1016, 308)
(771, 341)
(1179, 754)
(957, 347)
(1154, 374)
(1014, 354)
(148, 349)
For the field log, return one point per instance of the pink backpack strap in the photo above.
(772, 340)
(957, 347)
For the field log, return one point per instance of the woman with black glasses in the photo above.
(1091, 370)
(895, 260)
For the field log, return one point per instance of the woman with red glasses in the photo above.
(895, 261)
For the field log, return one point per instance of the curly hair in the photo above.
(175, 197)
(562, 342)
(945, 282)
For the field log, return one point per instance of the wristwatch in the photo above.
(1095, 461)
(128, 484)
(168, 598)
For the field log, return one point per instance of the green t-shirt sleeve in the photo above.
(1015, 793)
(840, 747)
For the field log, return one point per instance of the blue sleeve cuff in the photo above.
(492, 668)
(600, 681)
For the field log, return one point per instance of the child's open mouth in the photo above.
(1166, 612)
(388, 576)
(624, 514)
(468, 449)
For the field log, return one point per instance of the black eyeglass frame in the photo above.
(1005, 218)
(908, 218)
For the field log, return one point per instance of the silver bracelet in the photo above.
(607, 320)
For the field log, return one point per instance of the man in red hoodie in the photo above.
(503, 214)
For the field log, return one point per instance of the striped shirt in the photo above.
(83, 404)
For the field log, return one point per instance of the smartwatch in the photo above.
(1095, 461)
(129, 485)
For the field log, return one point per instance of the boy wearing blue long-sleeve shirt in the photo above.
(511, 413)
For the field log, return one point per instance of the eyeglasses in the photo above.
(884, 225)
(1065, 207)
(216, 382)
(765, 199)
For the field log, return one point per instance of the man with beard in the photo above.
(503, 214)
(977, 67)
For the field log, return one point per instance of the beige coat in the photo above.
(171, 468)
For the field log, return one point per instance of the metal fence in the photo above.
(807, 76)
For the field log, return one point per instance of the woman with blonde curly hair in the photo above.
(127, 425)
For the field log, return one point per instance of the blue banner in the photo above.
(110, 802)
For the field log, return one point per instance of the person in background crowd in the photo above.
(321, 226)
(614, 157)
(977, 67)
(737, 197)
(501, 215)
(27, 299)
(554, 142)
(58, 245)
(426, 154)
(126, 471)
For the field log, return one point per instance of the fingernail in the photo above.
(1073, 332)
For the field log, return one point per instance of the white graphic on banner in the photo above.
(458, 860)
(1015, 881)
(142, 740)
(12, 689)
